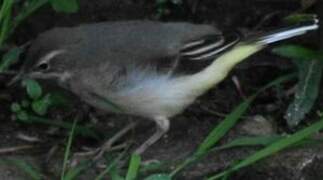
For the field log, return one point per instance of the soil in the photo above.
(188, 129)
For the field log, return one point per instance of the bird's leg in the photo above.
(162, 125)
(107, 145)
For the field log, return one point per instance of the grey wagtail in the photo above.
(138, 67)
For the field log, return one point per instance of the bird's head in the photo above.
(49, 57)
(49, 65)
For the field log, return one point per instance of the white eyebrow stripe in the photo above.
(51, 55)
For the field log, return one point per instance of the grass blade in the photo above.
(81, 130)
(250, 141)
(76, 171)
(216, 134)
(9, 58)
(133, 167)
(5, 23)
(158, 177)
(220, 130)
(25, 167)
(68, 149)
(274, 148)
(111, 167)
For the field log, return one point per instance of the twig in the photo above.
(14, 149)
(237, 84)
(51, 153)
(91, 153)
(27, 138)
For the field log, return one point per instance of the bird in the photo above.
(143, 68)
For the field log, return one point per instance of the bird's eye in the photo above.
(42, 67)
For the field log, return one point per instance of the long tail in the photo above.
(218, 70)
(289, 32)
(211, 46)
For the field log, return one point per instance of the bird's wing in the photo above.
(198, 54)
(166, 47)
(208, 47)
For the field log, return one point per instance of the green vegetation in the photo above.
(271, 144)
(309, 64)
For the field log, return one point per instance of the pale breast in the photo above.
(140, 91)
(156, 95)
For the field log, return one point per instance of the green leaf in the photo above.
(58, 99)
(310, 70)
(309, 64)
(310, 73)
(297, 52)
(15, 107)
(33, 88)
(41, 106)
(9, 58)
(298, 18)
(158, 177)
(23, 116)
(66, 6)
(273, 148)
(133, 167)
